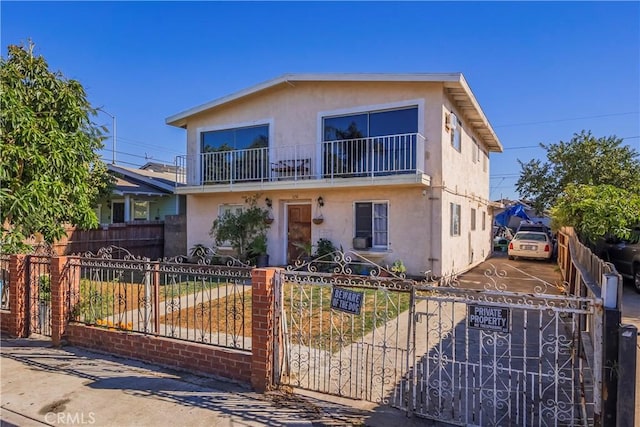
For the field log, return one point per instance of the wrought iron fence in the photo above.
(344, 326)
(205, 303)
(39, 296)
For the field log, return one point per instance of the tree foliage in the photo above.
(50, 171)
(585, 160)
(595, 211)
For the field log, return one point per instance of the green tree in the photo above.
(50, 171)
(595, 211)
(585, 160)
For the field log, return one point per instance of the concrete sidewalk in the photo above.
(42, 385)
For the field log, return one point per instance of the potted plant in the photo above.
(258, 250)
(306, 250)
(398, 267)
(240, 229)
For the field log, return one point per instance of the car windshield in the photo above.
(540, 237)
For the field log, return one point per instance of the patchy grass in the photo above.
(310, 319)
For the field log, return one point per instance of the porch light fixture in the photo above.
(268, 202)
(320, 201)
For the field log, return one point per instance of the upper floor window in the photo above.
(235, 139)
(372, 123)
(485, 161)
(371, 222)
(476, 151)
(456, 129)
(373, 142)
(484, 220)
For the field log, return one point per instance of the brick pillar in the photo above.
(18, 296)
(65, 288)
(262, 329)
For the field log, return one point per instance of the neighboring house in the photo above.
(514, 212)
(397, 165)
(145, 194)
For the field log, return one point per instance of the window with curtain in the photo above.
(228, 209)
(372, 223)
(456, 129)
(455, 219)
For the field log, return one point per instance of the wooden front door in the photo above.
(298, 231)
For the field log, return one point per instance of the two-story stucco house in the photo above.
(395, 165)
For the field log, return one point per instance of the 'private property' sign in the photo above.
(494, 319)
(346, 300)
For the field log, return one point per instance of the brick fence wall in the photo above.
(254, 367)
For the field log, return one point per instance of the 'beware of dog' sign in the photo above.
(346, 300)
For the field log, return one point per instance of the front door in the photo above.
(118, 212)
(298, 231)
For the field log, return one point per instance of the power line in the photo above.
(567, 120)
(538, 146)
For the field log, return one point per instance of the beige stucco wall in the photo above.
(409, 221)
(466, 183)
(419, 223)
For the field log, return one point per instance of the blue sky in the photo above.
(541, 70)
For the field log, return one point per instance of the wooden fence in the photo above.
(140, 238)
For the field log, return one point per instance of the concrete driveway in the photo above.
(525, 275)
(515, 275)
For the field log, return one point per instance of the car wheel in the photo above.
(511, 257)
(636, 278)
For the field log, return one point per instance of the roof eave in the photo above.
(179, 119)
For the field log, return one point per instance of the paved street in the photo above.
(72, 386)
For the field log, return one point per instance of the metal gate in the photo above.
(342, 333)
(485, 357)
(495, 358)
(39, 294)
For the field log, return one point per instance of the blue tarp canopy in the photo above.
(515, 210)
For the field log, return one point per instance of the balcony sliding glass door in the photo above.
(231, 155)
(370, 143)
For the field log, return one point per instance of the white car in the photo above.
(531, 244)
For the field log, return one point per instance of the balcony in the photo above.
(389, 159)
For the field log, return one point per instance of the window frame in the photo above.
(456, 132)
(475, 155)
(373, 204)
(484, 220)
(222, 209)
(485, 161)
(455, 219)
(473, 219)
(146, 210)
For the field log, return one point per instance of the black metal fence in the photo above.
(204, 303)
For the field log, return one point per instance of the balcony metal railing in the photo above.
(350, 158)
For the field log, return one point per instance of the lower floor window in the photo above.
(372, 223)
(455, 219)
(140, 211)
